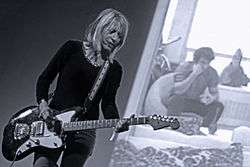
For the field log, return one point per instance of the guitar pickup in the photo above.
(21, 131)
(37, 128)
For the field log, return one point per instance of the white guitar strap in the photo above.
(98, 81)
(95, 87)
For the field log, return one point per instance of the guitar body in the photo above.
(26, 133)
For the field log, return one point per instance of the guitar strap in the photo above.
(99, 79)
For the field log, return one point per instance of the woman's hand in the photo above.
(45, 111)
(122, 126)
(46, 114)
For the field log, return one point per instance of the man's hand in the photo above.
(208, 98)
(197, 69)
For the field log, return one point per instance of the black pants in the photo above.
(211, 113)
(79, 147)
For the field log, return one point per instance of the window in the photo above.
(168, 20)
(223, 26)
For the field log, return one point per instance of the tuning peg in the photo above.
(37, 142)
(171, 118)
(28, 144)
(174, 124)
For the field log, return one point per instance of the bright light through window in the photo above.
(222, 25)
(168, 20)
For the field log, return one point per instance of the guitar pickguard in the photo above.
(27, 133)
(66, 116)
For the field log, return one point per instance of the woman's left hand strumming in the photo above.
(123, 125)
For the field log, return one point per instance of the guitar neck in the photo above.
(98, 124)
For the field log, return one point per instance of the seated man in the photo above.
(233, 74)
(191, 81)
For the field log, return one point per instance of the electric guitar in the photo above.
(26, 132)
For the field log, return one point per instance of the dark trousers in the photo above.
(211, 113)
(75, 155)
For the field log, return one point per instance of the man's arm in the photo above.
(182, 86)
(214, 93)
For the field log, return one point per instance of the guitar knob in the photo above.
(37, 142)
(28, 144)
(55, 144)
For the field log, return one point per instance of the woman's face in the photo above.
(111, 38)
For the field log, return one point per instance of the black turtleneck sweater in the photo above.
(75, 80)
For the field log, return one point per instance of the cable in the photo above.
(11, 165)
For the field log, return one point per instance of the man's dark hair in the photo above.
(205, 52)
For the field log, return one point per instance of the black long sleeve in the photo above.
(52, 69)
(76, 77)
(108, 105)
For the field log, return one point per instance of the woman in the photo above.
(233, 74)
(77, 63)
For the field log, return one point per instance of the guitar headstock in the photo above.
(159, 122)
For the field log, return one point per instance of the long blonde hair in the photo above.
(109, 18)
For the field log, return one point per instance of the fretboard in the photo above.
(97, 124)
